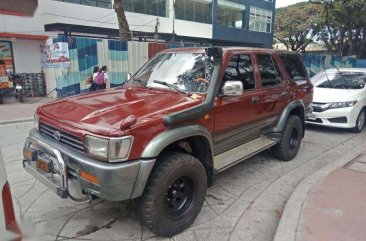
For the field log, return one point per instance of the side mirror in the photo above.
(233, 88)
(129, 76)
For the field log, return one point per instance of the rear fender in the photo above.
(280, 126)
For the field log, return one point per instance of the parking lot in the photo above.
(245, 203)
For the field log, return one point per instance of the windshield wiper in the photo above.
(141, 82)
(170, 86)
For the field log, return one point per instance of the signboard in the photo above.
(55, 55)
(6, 63)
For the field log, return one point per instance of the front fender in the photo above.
(164, 139)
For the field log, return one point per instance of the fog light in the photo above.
(29, 154)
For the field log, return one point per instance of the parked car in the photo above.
(9, 228)
(339, 99)
(186, 115)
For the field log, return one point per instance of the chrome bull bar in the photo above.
(57, 184)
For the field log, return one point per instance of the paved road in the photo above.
(245, 203)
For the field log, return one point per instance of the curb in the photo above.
(7, 122)
(287, 227)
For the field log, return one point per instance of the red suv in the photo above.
(186, 115)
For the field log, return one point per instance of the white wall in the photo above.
(27, 56)
(50, 11)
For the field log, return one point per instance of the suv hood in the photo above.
(327, 95)
(103, 112)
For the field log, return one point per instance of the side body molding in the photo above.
(285, 114)
(158, 143)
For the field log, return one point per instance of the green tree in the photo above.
(342, 26)
(296, 25)
(124, 28)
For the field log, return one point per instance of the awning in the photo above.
(23, 36)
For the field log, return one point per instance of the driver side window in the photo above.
(240, 68)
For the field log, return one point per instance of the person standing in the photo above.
(95, 73)
(104, 70)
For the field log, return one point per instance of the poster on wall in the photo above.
(55, 55)
(6, 63)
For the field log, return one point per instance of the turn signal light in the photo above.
(89, 177)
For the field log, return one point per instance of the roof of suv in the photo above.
(225, 49)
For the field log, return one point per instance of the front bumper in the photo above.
(116, 181)
(339, 118)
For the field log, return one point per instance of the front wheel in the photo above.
(290, 141)
(174, 194)
(360, 123)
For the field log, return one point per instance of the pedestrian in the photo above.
(101, 79)
(91, 78)
(104, 70)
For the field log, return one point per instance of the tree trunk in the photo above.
(124, 28)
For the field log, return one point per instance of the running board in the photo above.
(240, 153)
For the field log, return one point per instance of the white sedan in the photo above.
(339, 99)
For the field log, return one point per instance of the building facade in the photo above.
(26, 25)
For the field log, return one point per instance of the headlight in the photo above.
(97, 146)
(113, 150)
(336, 105)
(36, 121)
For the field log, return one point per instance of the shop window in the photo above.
(194, 10)
(93, 3)
(154, 7)
(230, 14)
(260, 20)
(6, 63)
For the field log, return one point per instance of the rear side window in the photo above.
(294, 67)
(270, 74)
(240, 68)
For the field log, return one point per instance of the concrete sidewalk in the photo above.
(14, 112)
(330, 205)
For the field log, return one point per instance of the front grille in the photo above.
(319, 107)
(317, 120)
(68, 140)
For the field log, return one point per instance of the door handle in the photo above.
(284, 93)
(255, 99)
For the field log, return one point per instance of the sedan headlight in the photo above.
(36, 121)
(336, 105)
(113, 149)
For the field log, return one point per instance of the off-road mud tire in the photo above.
(153, 207)
(290, 141)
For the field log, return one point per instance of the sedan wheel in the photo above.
(360, 123)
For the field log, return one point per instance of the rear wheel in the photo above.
(360, 123)
(174, 194)
(290, 141)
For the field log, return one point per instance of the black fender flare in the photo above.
(280, 126)
(164, 139)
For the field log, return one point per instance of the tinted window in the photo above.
(240, 68)
(269, 71)
(294, 67)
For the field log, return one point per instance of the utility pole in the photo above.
(174, 6)
(157, 30)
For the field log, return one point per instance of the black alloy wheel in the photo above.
(179, 197)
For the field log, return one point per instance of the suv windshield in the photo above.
(188, 72)
(343, 80)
